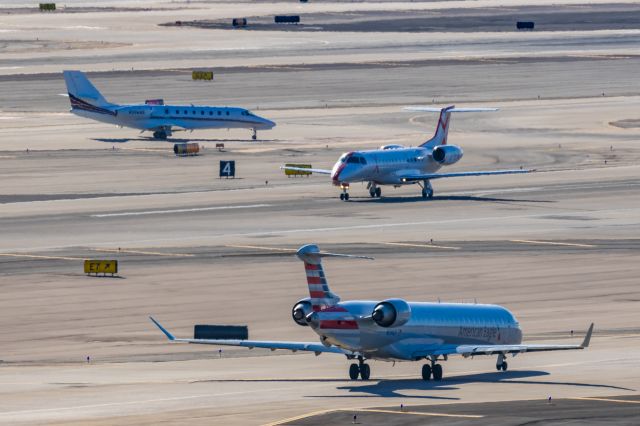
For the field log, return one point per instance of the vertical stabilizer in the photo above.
(442, 131)
(82, 93)
(319, 292)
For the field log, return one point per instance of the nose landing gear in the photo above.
(254, 136)
(345, 191)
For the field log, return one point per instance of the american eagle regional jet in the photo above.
(394, 329)
(399, 165)
(88, 102)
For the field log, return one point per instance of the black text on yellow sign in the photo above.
(202, 75)
(94, 266)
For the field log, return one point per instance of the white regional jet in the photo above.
(398, 165)
(88, 102)
(394, 329)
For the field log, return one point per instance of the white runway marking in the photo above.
(151, 253)
(422, 246)
(35, 256)
(197, 209)
(553, 243)
(261, 248)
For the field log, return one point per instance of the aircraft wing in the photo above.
(303, 169)
(472, 350)
(430, 176)
(318, 348)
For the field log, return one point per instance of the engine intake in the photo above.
(447, 154)
(300, 311)
(391, 313)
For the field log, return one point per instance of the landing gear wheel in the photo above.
(160, 134)
(365, 371)
(378, 192)
(342, 197)
(427, 193)
(255, 135)
(505, 366)
(426, 372)
(372, 193)
(346, 196)
(354, 370)
(437, 372)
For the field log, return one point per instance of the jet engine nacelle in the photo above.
(447, 154)
(300, 310)
(391, 313)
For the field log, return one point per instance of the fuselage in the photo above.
(431, 326)
(148, 117)
(383, 166)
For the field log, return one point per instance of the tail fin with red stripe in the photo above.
(321, 295)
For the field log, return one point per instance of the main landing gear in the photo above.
(432, 370)
(255, 135)
(374, 190)
(501, 364)
(427, 189)
(160, 134)
(361, 369)
(345, 191)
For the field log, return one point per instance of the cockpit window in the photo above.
(353, 160)
(362, 160)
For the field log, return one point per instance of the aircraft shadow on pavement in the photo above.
(393, 200)
(393, 388)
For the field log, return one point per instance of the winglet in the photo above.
(587, 337)
(164, 330)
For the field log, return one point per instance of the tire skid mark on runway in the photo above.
(150, 253)
(553, 243)
(420, 245)
(173, 211)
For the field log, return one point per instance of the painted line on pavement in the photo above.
(421, 413)
(261, 248)
(421, 245)
(35, 256)
(553, 243)
(586, 398)
(151, 253)
(196, 209)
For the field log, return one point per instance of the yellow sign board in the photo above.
(202, 75)
(290, 172)
(95, 266)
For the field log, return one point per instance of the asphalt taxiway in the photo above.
(559, 247)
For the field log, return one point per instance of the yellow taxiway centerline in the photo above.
(420, 413)
(624, 401)
(35, 256)
(422, 246)
(552, 243)
(151, 253)
(373, 410)
(262, 248)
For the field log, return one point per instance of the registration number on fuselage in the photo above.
(478, 332)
